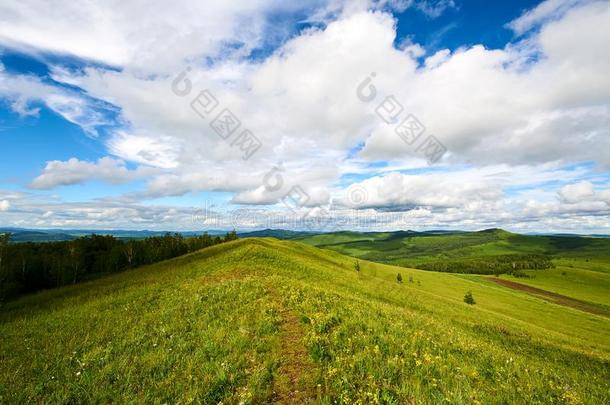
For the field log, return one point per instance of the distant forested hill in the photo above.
(491, 251)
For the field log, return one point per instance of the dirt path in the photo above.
(553, 297)
(291, 384)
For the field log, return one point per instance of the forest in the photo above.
(500, 264)
(29, 267)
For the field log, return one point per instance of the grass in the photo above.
(259, 321)
(582, 264)
(583, 284)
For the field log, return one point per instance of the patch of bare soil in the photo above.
(553, 297)
(293, 383)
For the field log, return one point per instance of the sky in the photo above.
(315, 115)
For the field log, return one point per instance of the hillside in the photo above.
(575, 266)
(463, 252)
(262, 320)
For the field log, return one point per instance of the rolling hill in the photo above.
(262, 320)
(463, 252)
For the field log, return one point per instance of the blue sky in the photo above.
(93, 136)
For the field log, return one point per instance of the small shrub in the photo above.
(357, 266)
(469, 299)
(399, 278)
(410, 279)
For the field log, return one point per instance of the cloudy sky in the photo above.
(322, 115)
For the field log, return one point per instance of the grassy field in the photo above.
(580, 266)
(261, 320)
(588, 285)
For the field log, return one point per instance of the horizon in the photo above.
(247, 231)
(370, 115)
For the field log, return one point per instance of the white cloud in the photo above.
(482, 210)
(301, 101)
(74, 171)
(153, 35)
(302, 196)
(434, 8)
(584, 192)
(576, 192)
(546, 11)
(24, 90)
(487, 106)
(34, 213)
(437, 59)
(404, 192)
(5, 205)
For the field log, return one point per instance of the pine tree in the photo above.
(469, 299)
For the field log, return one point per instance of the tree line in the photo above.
(29, 267)
(501, 264)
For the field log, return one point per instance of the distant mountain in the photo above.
(53, 235)
(37, 236)
(50, 235)
(569, 235)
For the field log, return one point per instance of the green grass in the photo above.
(406, 249)
(403, 248)
(582, 284)
(215, 326)
(582, 263)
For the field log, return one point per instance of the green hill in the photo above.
(261, 320)
(462, 252)
(576, 266)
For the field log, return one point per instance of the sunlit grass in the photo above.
(208, 328)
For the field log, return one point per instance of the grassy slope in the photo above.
(592, 286)
(586, 261)
(396, 248)
(227, 324)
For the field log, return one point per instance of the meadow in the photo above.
(263, 321)
(578, 267)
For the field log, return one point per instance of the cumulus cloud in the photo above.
(516, 114)
(496, 108)
(4, 205)
(584, 192)
(573, 193)
(404, 192)
(75, 171)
